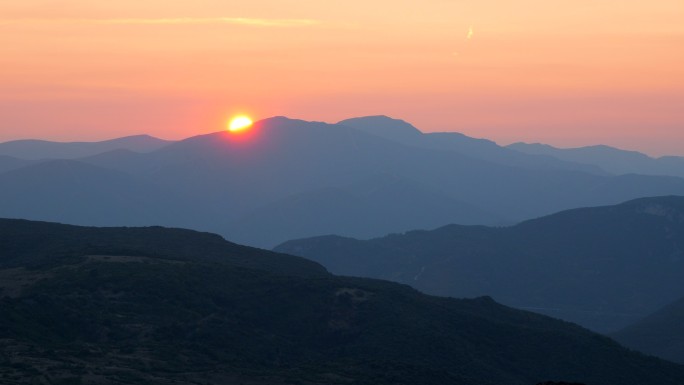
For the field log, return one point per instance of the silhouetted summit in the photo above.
(386, 127)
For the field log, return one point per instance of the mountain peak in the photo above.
(283, 120)
(384, 126)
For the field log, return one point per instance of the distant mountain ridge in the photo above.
(382, 202)
(167, 306)
(42, 149)
(611, 159)
(403, 132)
(299, 179)
(602, 267)
(77, 192)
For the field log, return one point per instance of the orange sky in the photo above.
(565, 72)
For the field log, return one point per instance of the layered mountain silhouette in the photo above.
(403, 132)
(660, 334)
(611, 159)
(8, 163)
(156, 305)
(77, 192)
(291, 179)
(602, 267)
(383, 202)
(42, 149)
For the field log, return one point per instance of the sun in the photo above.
(239, 123)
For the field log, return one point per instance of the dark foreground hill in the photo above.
(35, 244)
(660, 334)
(603, 267)
(153, 305)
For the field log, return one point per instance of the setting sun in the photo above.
(239, 123)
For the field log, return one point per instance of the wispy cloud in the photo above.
(246, 21)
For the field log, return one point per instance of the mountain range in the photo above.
(611, 159)
(601, 267)
(32, 149)
(291, 179)
(81, 305)
(406, 134)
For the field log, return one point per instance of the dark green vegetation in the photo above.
(660, 334)
(603, 267)
(153, 305)
(35, 244)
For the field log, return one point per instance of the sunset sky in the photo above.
(564, 72)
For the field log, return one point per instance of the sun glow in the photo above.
(239, 123)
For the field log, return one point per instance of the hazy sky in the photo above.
(565, 72)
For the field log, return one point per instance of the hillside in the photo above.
(603, 267)
(660, 334)
(34, 244)
(154, 305)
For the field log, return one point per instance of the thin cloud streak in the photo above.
(256, 22)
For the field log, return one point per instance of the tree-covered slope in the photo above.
(603, 267)
(122, 313)
(31, 243)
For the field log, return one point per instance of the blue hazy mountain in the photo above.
(660, 334)
(365, 209)
(75, 192)
(8, 163)
(163, 306)
(602, 267)
(42, 149)
(405, 133)
(613, 160)
(300, 179)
